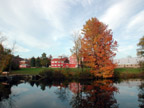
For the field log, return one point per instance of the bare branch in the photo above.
(2, 38)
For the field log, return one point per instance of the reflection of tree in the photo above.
(99, 94)
(141, 95)
(4, 91)
(6, 101)
(63, 94)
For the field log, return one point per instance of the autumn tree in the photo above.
(98, 48)
(5, 54)
(140, 53)
(76, 38)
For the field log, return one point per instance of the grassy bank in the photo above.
(128, 73)
(36, 71)
(75, 72)
(28, 71)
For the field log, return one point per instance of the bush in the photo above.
(62, 74)
(51, 74)
(48, 74)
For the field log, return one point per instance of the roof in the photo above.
(59, 59)
(128, 60)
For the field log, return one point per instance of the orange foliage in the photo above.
(97, 47)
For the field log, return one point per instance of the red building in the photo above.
(73, 61)
(24, 64)
(60, 62)
(64, 62)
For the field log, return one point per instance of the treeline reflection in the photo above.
(85, 94)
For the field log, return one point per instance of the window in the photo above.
(58, 65)
(55, 65)
(61, 64)
(55, 61)
(58, 61)
(61, 61)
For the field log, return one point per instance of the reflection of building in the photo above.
(128, 62)
(75, 87)
(60, 62)
(24, 64)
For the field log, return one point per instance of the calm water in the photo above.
(94, 94)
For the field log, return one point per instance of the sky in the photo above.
(38, 26)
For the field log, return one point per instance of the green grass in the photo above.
(28, 71)
(36, 71)
(128, 70)
(119, 72)
(126, 73)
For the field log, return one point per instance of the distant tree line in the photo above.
(42, 61)
(10, 62)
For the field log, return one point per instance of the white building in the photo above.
(128, 62)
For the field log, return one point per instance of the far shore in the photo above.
(123, 73)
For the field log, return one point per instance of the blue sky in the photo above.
(40, 26)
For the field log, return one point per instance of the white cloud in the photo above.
(16, 48)
(119, 13)
(137, 20)
(46, 25)
(124, 49)
(53, 11)
(20, 49)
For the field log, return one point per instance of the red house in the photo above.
(24, 64)
(73, 61)
(60, 62)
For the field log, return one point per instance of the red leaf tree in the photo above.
(97, 47)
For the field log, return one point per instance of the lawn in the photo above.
(128, 70)
(126, 73)
(121, 72)
(36, 71)
(28, 71)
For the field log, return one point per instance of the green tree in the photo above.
(44, 60)
(32, 62)
(140, 52)
(44, 55)
(38, 62)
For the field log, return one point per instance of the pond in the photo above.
(72, 94)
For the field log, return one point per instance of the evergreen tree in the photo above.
(38, 62)
(32, 62)
(44, 55)
(44, 60)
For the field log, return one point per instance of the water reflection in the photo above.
(7, 101)
(141, 95)
(68, 94)
(99, 94)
